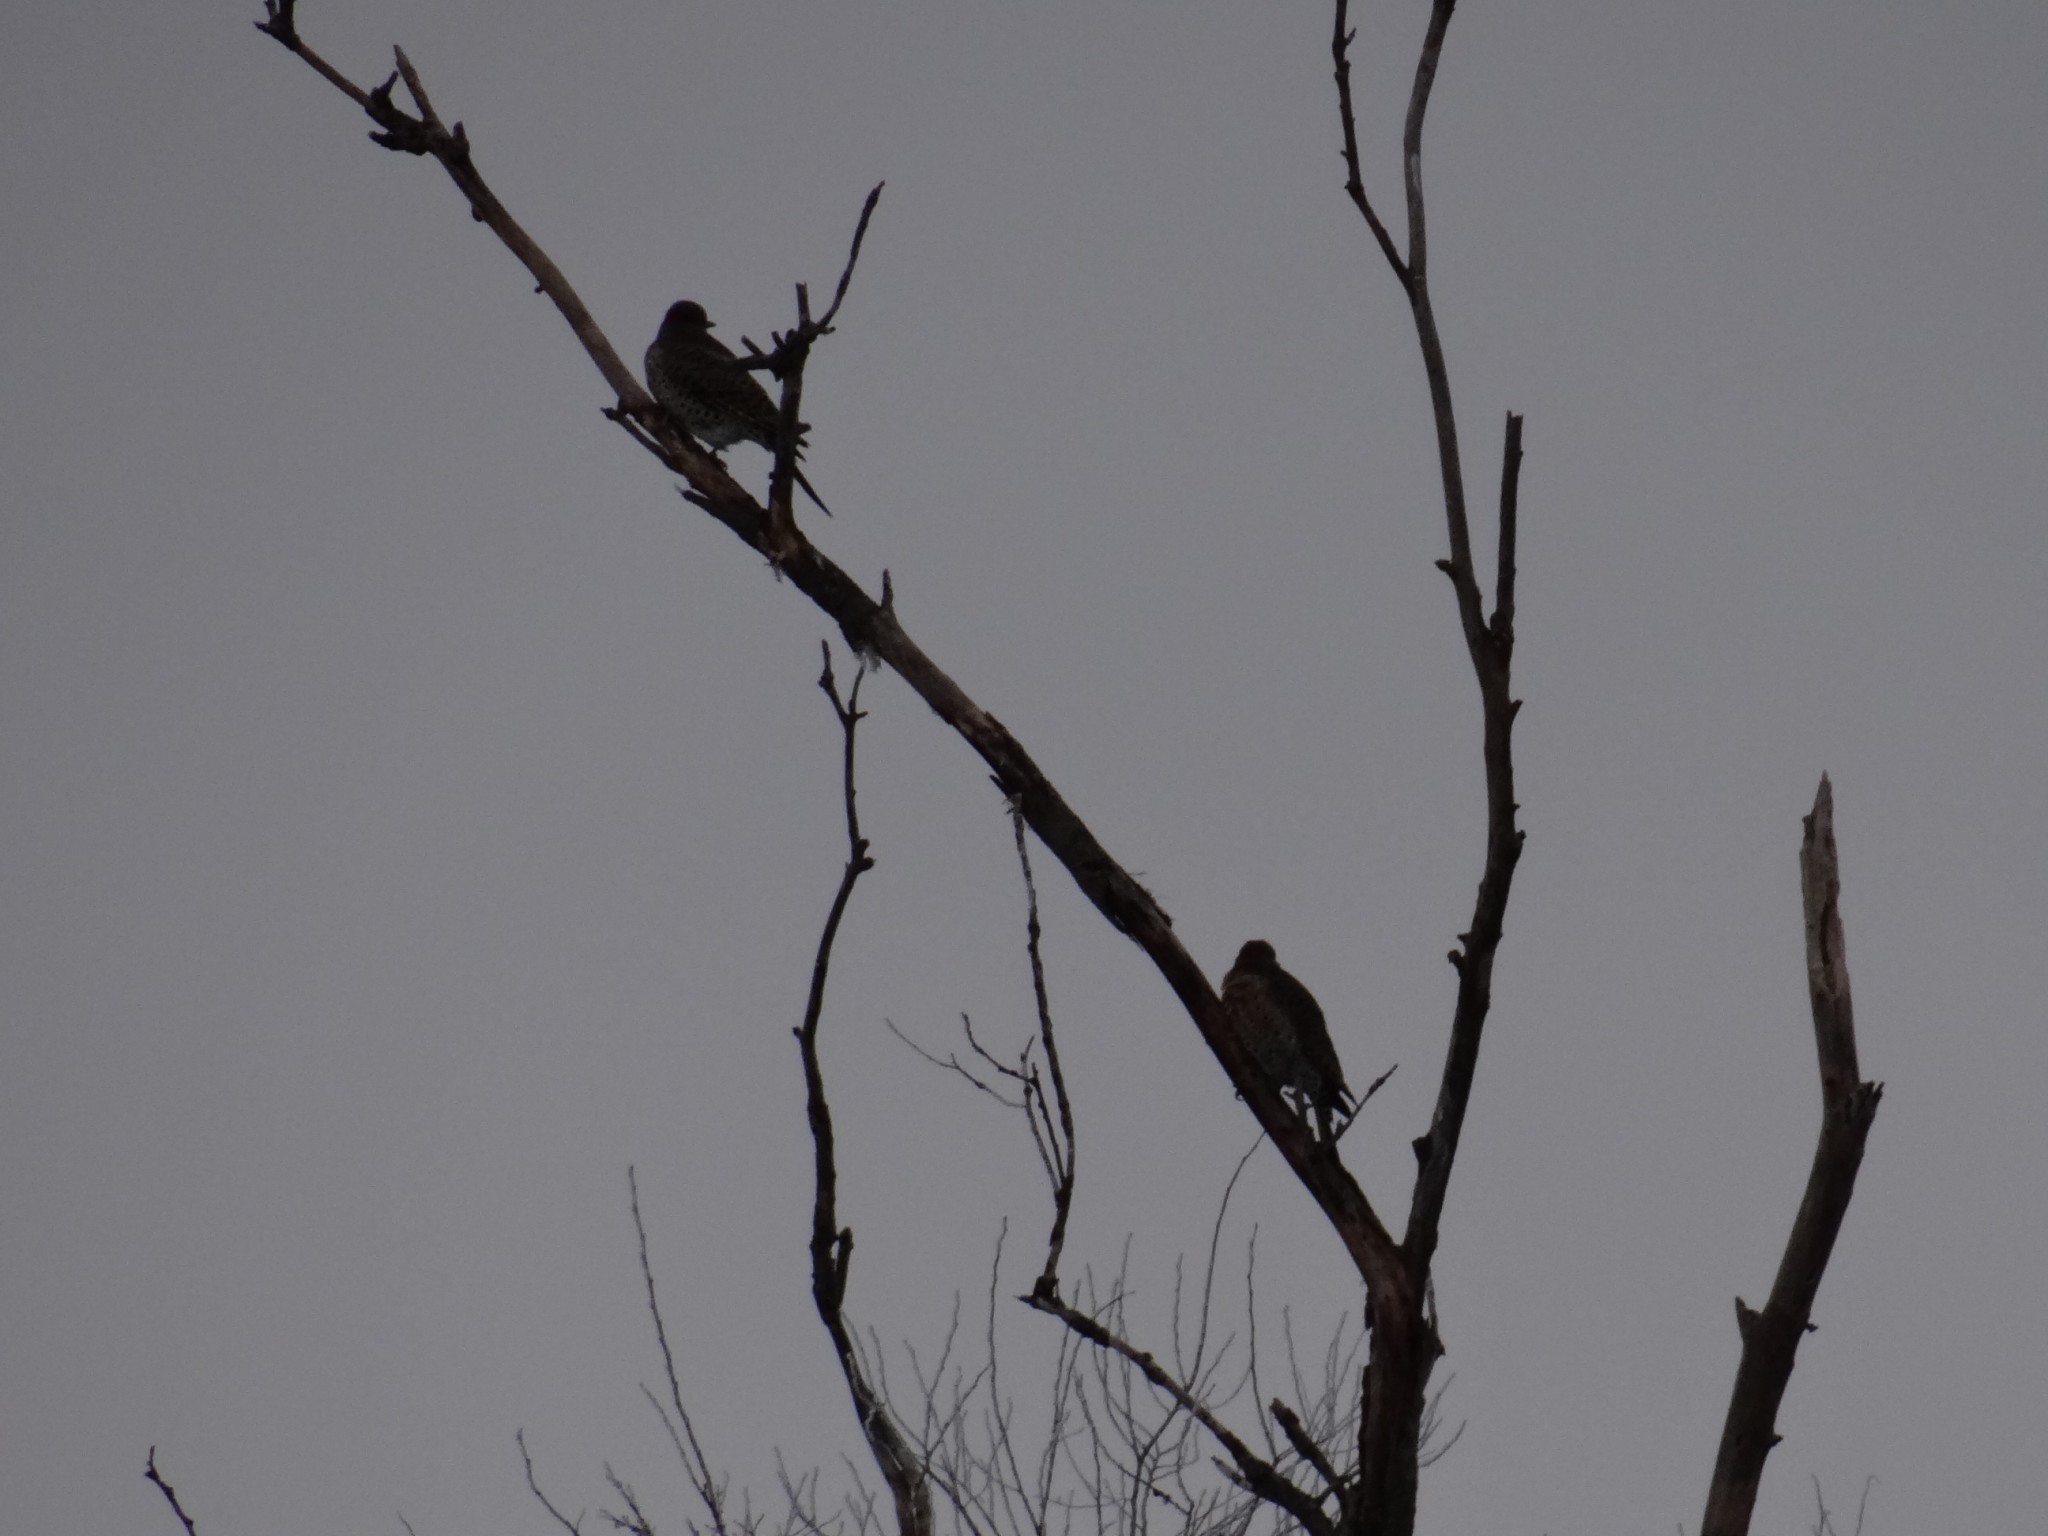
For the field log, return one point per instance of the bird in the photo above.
(699, 380)
(1281, 1025)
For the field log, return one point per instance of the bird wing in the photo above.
(1311, 1030)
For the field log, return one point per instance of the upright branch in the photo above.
(786, 362)
(1052, 1123)
(1405, 1341)
(832, 1244)
(1770, 1338)
(675, 1415)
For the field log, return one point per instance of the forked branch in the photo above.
(1405, 1343)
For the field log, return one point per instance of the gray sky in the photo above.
(413, 814)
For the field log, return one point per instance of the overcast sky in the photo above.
(412, 814)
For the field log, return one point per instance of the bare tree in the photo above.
(1345, 1457)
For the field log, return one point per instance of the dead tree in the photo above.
(1368, 1485)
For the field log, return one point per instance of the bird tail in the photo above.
(806, 484)
(1336, 1108)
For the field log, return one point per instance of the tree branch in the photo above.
(1341, 37)
(831, 1244)
(872, 628)
(170, 1494)
(1305, 1446)
(1405, 1343)
(682, 1433)
(573, 1527)
(1491, 647)
(1055, 1138)
(1770, 1338)
(1258, 1475)
(636, 410)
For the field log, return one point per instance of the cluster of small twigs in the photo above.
(1185, 1394)
(1122, 1445)
(1824, 1522)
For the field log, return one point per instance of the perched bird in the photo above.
(1282, 1027)
(700, 381)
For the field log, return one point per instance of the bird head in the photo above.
(687, 315)
(1257, 956)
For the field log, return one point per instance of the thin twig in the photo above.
(1257, 1474)
(682, 1432)
(169, 1493)
(573, 1527)
(1057, 1142)
(1341, 37)
(634, 1521)
(831, 1244)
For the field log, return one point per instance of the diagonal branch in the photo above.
(424, 134)
(1258, 1475)
(1305, 1446)
(1770, 1338)
(872, 628)
(170, 1494)
(573, 1527)
(1342, 36)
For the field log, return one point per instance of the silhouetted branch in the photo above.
(1250, 1470)
(792, 352)
(634, 1521)
(422, 133)
(682, 1433)
(1053, 1137)
(1188, 1387)
(1395, 1274)
(871, 628)
(1405, 1343)
(1491, 645)
(1305, 1447)
(281, 23)
(831, 1244)
(1824, 1523)
(573, 1527)
(1341, 37)
(170, 1494)
(1770, 1338)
